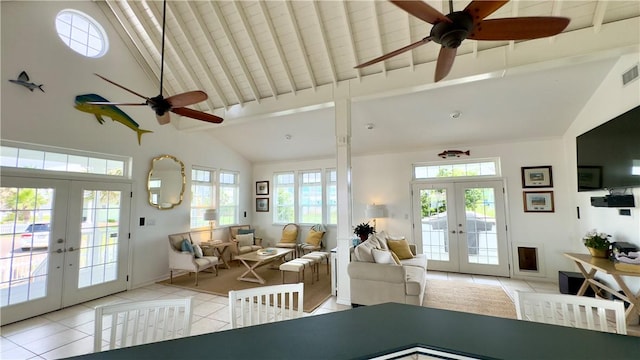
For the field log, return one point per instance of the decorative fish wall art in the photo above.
(111, 111)
(23, 79)
(453, 153)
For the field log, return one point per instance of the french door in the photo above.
(460, 226)
(62, 242)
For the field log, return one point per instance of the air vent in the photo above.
(630, 75)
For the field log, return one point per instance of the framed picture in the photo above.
(537, 176)
(589, 177)
(262, 188)
(262, 204)
(538, 201)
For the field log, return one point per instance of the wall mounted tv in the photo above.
(609, 155)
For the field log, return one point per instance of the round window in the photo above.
(81, 33)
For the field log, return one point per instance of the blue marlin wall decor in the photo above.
(23, 79)
(111, 111)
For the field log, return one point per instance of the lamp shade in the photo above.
(210, 214)
(375, 211)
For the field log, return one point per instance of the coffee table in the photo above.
(252, 261)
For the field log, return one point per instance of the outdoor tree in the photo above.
(25, 201)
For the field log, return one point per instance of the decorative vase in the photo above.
(599, 253)
(363, 237)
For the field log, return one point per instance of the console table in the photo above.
(605, 266)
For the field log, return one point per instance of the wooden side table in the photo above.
(605, 266)
(219, 248)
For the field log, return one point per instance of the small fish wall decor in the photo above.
(23, 79)
(453, 153)
(111, 111)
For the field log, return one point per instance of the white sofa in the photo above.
(379, 282)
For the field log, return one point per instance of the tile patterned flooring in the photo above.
(69, 332)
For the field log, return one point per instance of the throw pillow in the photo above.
(244, 239)
(186, 246)
(197, 251)
(384, 257)
(363, 251)
(289, 236)
(246, 231)
(314, 237)
(382, 240)
(400, 248)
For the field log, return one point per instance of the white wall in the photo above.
(30, 43)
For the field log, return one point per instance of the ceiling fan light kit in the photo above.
(451, 30)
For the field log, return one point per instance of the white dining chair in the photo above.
(141, 322)
(572, 310)
(265, 304)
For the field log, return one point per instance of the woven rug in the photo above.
(314, 294)
(469, 297)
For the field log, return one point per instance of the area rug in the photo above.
(469, 297)
(314, 294)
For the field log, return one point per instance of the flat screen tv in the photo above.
(609, 155)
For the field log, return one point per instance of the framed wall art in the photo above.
(262, 188)
(538, 201)
(262, 204)
(537, 176)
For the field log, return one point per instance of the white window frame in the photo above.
(314, 203)
(290, 187)
(233, 208)
(199, 204)
(432, 169)
(82, 33)
(331, 187)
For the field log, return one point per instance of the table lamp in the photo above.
(210, 215)
(375, 211)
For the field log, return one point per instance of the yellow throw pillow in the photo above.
(400, 248)
(314, 237)
(290, 236)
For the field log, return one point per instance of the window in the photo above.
(310, 204)
(229, 198)
(464, 168)
(39, 157)
(203, 195)
(331, 196)
(284, 197)
(81, 33)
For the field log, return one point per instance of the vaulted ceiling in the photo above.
(259, 59)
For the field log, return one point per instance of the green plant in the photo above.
(363, 230)
(596, 240)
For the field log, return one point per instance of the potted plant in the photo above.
(597, 243)
(363, 231)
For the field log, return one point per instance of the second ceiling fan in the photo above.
(176, 103)
(449, 31)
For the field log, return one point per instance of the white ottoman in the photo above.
(297, 266)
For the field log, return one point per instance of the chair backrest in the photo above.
(175, 240)
(290, 233)
(233, 230)
(265, 304)
(141, 322)
(572, 310)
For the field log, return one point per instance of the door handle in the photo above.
(59, 251)
(460, 232)
(60, 241)
(71, 249)
(453, 231)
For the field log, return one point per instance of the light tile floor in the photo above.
(69, 332)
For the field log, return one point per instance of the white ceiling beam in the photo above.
(515, 7)
(256, 48)
(409, 41)
(296, 30)
(598, 16)
(219, 58)
(227, 33)
(272, 32)
(556, 10)
(347, 20)
(198, 56)
(325, 41)
(376, 26)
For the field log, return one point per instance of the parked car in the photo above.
(35, 236)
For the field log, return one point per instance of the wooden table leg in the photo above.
(251, 268)
(587, 276)
(633, 299)
(221, 255)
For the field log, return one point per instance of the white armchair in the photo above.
(184, 260)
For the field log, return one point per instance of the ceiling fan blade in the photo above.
(164, 118)
(120, 86)
(421, 10)
(198, 115)
(114, 103)
(445, 62)
(395, 52)
(187, 98)
(521, 28)
(480, 9)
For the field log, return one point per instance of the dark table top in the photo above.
(369, 331)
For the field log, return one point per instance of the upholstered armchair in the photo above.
(314, 240)
(243, 240)
(187, 260)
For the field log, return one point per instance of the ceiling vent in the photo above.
(630, 75)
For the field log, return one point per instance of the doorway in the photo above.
(461, 227)
(62, 242)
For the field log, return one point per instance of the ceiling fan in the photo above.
(450, 30)
(176, 103)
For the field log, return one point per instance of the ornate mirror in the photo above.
(166, 182)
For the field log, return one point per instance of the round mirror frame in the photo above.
(166, 206)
